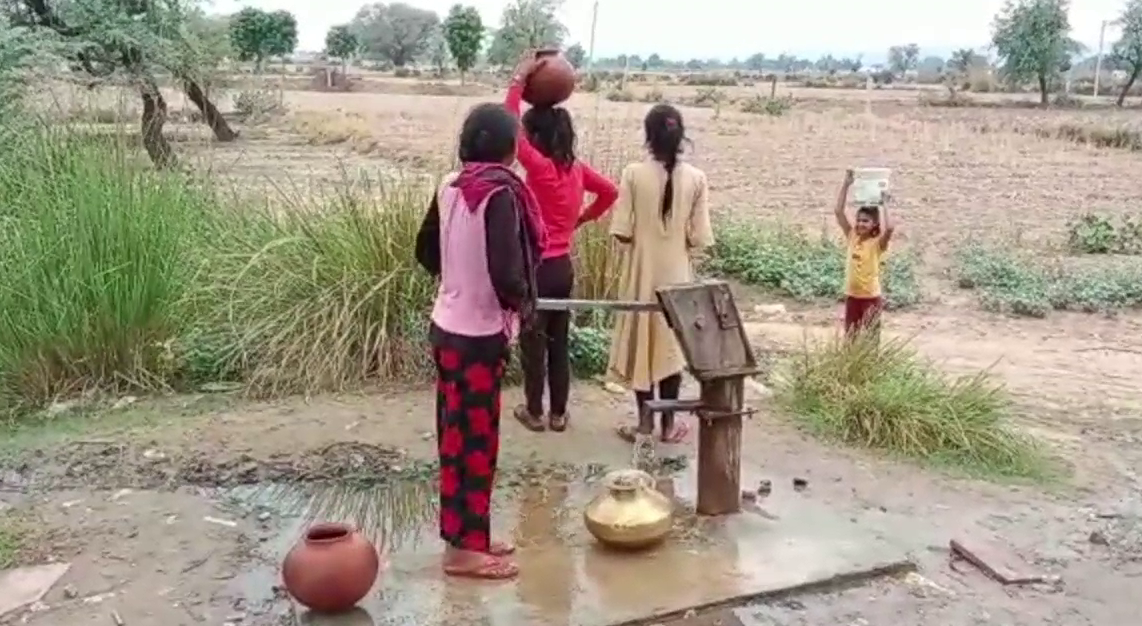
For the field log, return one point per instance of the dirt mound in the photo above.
(111, 465)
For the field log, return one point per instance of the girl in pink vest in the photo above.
(483, 237)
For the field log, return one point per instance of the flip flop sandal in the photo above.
(491, 568)
(501, 548)
(677, 434)
(557, 423)
(529, 421)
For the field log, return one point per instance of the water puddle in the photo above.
(566, 577)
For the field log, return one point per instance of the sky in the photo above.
(684, 29)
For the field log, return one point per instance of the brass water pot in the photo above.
(630, 513)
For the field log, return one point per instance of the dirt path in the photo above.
(154, 557)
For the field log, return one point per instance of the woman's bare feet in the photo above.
(501, 548)
(468, 564)
(675, 432)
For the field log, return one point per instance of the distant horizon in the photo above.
(725, 29)
(867, 59)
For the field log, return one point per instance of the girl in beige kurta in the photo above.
(661, 218)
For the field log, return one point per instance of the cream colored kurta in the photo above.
(643, 348)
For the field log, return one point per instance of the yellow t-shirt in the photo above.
(862, 267)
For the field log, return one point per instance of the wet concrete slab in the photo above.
(783, 543)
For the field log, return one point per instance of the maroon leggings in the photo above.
(862, 314)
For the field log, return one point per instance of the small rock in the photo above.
(59, 408)
(426, 435)
(764, 488)
(264, 516)
(770, 309)
(153, 455)
(749, 496)
(124, 402)
(1098, 538)
(613, 387)
(70, 592)
(800, 484)
(220, 387)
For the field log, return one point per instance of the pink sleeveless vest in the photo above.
(466, 302)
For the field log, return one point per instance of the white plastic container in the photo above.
(870, 184)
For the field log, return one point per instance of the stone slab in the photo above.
(784, 543)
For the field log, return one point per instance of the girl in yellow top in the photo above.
(866, 244)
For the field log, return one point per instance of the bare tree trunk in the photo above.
(154, 117)
(1129, 83)
(210, 113)
(1043, 100)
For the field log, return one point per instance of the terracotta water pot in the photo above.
(553, 82)
(331, 568)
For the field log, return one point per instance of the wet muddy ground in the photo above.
(155, 514)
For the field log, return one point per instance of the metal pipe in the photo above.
(549, 304)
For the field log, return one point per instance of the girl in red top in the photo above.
(559, 181)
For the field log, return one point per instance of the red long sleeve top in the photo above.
(559, 191)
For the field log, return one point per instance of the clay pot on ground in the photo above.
(331, 568)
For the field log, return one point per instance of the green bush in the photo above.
(793, 263)
(1098, 234)
(886, 397)
(1023, 286)
(590, 349)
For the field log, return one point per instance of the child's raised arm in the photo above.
(842, 200)
(886, 225)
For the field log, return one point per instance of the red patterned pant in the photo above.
(470, 371)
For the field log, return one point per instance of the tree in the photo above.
(852, 64)
(464, 32)
(1127, 51)
(575, 55)
(341, 43)
(106, 39)
(903, 59)
(1032, 40)
(755, 62)
(438, 51)
(526, 25)
(962, 61)
(397, 33)
(826, 64)
(654, 61)
(256, 34)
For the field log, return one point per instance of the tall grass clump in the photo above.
(97, 252)
(794, 263)
(886, 397)
(597, 263)
(308, 298)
